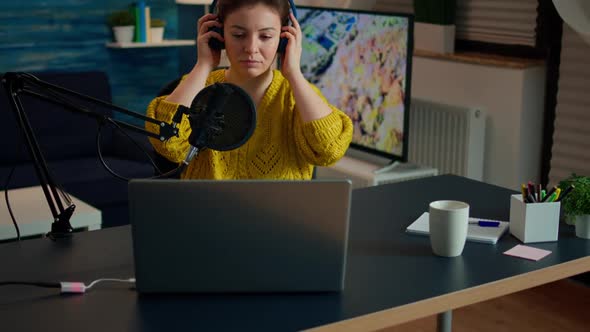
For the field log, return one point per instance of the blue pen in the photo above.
(486, 223)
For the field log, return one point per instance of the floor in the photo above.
(559, 306)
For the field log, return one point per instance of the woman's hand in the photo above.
(205, 55)
(207, 61)
(291, 59)
(309, 104)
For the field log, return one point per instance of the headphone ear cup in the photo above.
(282, 45)
(214, 43)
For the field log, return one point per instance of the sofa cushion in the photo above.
(61, 134)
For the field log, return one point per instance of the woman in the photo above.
(296, 127)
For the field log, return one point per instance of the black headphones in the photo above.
(216, 44)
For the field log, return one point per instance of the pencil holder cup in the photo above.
(534, 222)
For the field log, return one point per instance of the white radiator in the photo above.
(448, 138)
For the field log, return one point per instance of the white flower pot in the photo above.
(124, 34)
(157, 34)
(434, 37)
(583, 226)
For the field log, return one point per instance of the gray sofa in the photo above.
(68, 142)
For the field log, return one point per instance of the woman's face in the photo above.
(252, 36)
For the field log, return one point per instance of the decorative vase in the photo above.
(583, 226)
(157, 34)
(124, 34)
(436, 38)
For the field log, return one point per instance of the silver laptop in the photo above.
(239, 236)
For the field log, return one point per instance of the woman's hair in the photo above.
(226, 7)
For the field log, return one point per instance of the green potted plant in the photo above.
(123, 24)
(157, 29)
(434, 26)
(576, 204)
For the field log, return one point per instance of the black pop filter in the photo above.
(222, 117)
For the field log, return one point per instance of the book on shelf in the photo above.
(142, 15)
(147, 25)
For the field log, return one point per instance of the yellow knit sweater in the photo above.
(281, 147)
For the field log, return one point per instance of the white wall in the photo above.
(514, 101)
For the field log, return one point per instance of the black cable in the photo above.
(8, 203)
(134, 141)
(101, 158)
(6, 183)
(31, 283)
(115, 174)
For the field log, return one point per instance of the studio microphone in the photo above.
(222, 117)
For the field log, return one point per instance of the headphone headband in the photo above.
(216, 44)
(291, 6)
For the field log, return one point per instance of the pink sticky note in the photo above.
(527, 252)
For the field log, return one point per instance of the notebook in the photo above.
(239, 236)
(475, 232)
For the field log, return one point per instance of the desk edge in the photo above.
(409, 312)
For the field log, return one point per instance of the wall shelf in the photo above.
(164, 43)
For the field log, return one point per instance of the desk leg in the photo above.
(444, 322)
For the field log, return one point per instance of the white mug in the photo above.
(448, 222)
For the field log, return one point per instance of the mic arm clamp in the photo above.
(16, 84)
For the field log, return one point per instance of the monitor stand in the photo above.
(381, 164)
(396, 166)
(364, 170)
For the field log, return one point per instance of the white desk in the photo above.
(34, 216)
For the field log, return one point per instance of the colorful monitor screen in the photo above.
(361, 61)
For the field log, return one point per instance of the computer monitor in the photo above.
(361, 61)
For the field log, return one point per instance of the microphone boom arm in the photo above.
(16, 84)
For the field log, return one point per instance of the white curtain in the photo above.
(497, 21)
(492, 21)
(571, 137)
